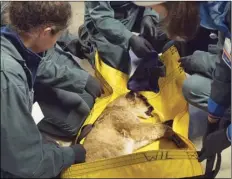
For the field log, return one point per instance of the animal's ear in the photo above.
(131, 95)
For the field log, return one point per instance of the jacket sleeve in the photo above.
(23, 153)
(113, 30)
(150, 12)
(220, 95)
(65, 39)
(64, 76)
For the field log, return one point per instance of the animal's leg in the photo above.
(140, 144)
(144, 134)
(151, 132)
(147, 131)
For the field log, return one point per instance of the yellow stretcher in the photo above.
(161, 159)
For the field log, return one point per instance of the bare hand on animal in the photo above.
(118, 130)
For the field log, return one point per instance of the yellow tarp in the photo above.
(161, 159)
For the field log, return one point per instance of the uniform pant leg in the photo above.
(196, 90)
(64, 111)
(197, 87)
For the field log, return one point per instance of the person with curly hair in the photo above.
(34, 27)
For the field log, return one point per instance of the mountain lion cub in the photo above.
(118, 130)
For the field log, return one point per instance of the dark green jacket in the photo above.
(23, 152)
(57, 65)
(109, 19)
(58, 69)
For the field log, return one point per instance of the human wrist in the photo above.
(79, 152)
(215, 110)
(69, 156)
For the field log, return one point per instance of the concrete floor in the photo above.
(78, 16)
(196, 115)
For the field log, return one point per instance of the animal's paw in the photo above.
(168, 132)
(171, 135)
(158, 131)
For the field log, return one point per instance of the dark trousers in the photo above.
(64, 111)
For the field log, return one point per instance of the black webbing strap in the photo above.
(209, 172)
(84, 132)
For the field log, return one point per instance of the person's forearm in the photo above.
(102, 16)
(25, 153)
(54, 161)
(115, 32)
(150, 12)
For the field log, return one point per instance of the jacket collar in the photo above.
(18, 51)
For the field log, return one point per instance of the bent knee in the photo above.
(71, 131)
(196, 88)
(74, 122)
(187, 88)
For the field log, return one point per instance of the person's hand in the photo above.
(80, 153)
(212, 126)
(140, 46)
(214, 143)
(148, 28)
(185, 60)
(94, 87)
(186, 64)
(168, 45)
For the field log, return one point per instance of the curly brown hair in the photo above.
(182, 20)
(25, 16)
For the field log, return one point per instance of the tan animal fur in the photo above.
(119, 131)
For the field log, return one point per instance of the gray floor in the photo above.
(197, 118)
